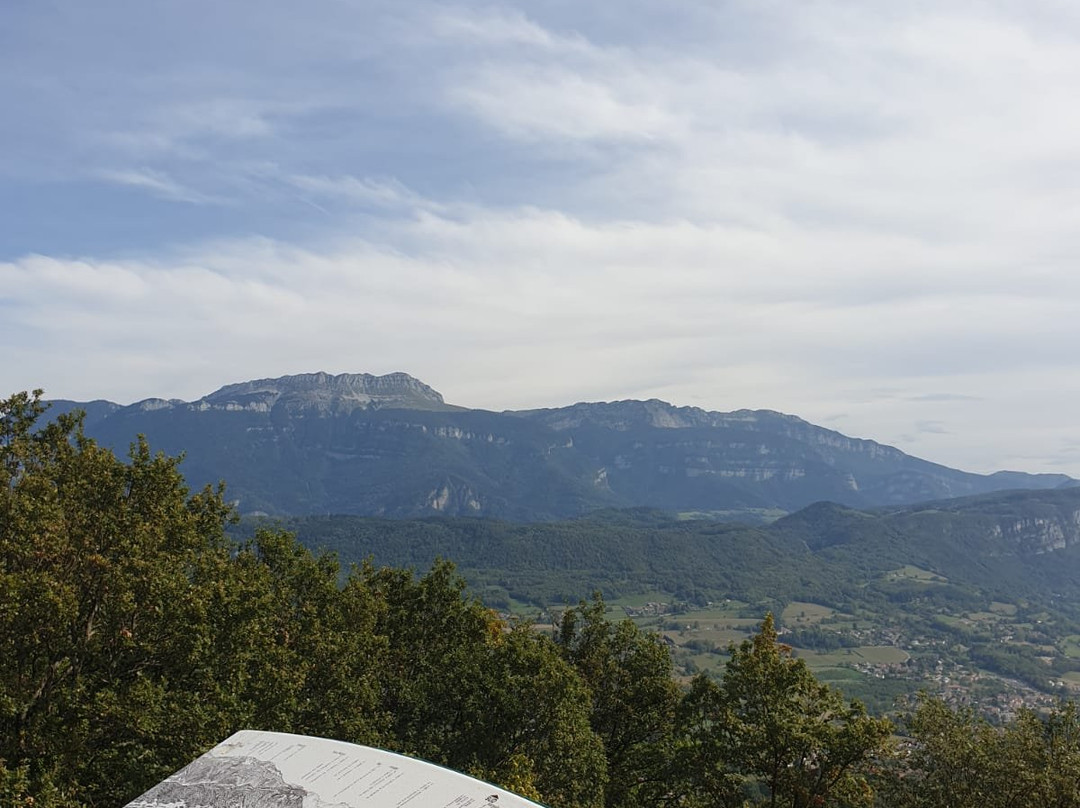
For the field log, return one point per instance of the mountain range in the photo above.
(391, 446)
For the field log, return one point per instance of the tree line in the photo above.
(134, 635)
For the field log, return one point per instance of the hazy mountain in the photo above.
(390, 445)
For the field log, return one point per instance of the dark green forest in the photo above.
(136, 632)
(827, 553)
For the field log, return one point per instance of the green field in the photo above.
(910, 572)
(869, 654)
(637, 600)
(1070, 646)
(801, 613)
(751, 515)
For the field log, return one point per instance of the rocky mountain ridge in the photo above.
(326, 394)
(390, 445)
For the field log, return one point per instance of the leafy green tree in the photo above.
(102, 565)
(956, 758)
(295, 651)
(535, 718)
(466, 690)
(704, 767)
(133, 635)
(793, 739)
(633, 697)
(1060, 754)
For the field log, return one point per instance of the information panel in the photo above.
(278, 770)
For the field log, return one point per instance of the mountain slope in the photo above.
(390, 445)
(758, 456)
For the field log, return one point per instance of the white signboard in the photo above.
(277, 770)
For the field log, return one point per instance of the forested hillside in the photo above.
(1008, 545)
(134, 635)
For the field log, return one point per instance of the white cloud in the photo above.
(535, 308)
(157, 183)
(537, 104)
(502, 28)
(381, 193)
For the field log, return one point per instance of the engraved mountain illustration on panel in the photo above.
(391, 446)
(210, 782)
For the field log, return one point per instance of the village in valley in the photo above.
(885, 660)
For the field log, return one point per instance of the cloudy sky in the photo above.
(863, 213)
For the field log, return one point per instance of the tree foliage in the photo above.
(105, 571)
(956, 758)
(633, 701)
(771, 732)
(465, 689)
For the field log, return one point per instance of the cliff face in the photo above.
(772, 459)
(390, 445)
(326, 394)
(311, 393)
(1042, 534)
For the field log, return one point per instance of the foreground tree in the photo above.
(633, 702)
(956, 758)
(103, 574)
(788, 738)
(467, 690)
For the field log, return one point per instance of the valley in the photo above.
(886, 659)
(883, 604)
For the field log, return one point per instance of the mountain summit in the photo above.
(328, 394)
(390, 445)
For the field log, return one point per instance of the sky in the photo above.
(863, 213)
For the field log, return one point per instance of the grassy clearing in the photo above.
(1070, 646)
(952, 620)
(910, 572)
(803, 613)
(637, 601)
(883, 654)
(866, 654)
(753, 515)
(710, 663)
(839, 675)
(656, 624)
(725, 614)
(721, 637)
(984, 617)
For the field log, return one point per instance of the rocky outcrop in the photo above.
(318, 393)
(1042, 534)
